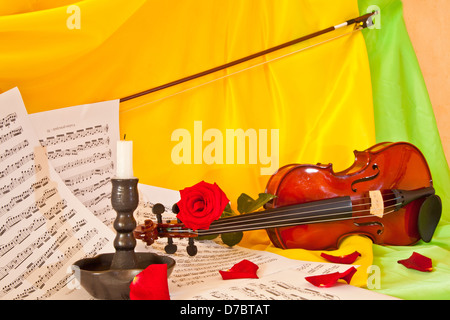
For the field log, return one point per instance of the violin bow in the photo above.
(361, 21)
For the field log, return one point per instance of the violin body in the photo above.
(381, 167)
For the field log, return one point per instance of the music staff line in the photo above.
(64, 236)
(9, 152)
(70, 136)
(79, 162)
(58, 153)
(8, 120)
(38, 263)
(97, 200)
(96, 248)
(90, 189)
(18, 164)
(51, 231)
(13, 133)
(13, 220)
(25, 175)
(19, 198)
(34, 226)
(89, 174)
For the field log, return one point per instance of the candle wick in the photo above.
(124, 136)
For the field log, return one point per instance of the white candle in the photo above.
(124, 163)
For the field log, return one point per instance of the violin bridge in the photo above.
(376, 203)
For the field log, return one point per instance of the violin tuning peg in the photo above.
(158, 208)
(191, 248)
(170, 248)
(175, 208)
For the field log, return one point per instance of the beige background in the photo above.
(429, 29)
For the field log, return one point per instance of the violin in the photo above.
(387, 195)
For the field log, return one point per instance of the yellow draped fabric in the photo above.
(316, 104)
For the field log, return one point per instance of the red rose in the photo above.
(201, 204)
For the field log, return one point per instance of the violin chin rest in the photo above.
(429, 216)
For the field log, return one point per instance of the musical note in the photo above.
(90, 189)
(25, 175)
(58, 153)
(6, 121)
(13, 167)
(10, 135)
(91, 159)
(89, 174)
(69, 136)
(14, 150)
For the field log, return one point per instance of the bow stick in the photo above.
(363, 22)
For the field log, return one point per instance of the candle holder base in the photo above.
(102, 282)
(108, 276)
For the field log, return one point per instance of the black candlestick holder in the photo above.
(124, 200)
(108, 276)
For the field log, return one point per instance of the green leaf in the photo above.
(232, 238)
(248, 204)
(228, 212)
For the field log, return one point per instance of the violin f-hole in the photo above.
(374, 167)
(371, 224)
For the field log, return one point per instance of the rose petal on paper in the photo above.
(328, 280)
(150, 284)
(324, 280)
(348, 275)
(346, 259)
(241, 270)
(418, 262)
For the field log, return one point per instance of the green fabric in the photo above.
(403, 112)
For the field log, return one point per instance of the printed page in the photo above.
(43, 227)
(280, 278)
(284, 285)
(81, 145)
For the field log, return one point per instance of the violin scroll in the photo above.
(147, 232)
(151, 231)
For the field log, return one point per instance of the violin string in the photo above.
(276, 224)
(291, 210)
(313, 204)
(273, 214)
(240, 71)
(244, 225)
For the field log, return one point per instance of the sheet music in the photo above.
(43, 227)
(280, 278)
(287, 284)
(81, 145)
